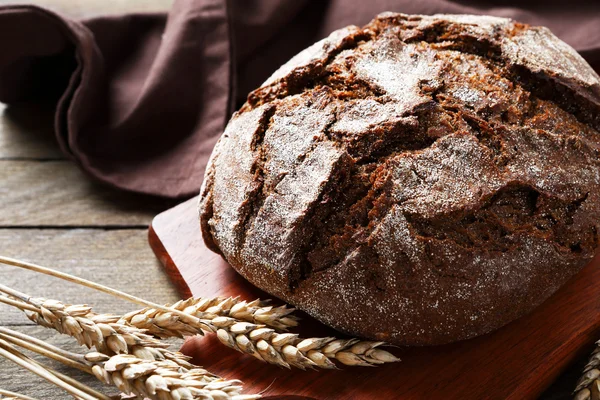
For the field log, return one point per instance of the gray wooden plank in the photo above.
(120, 259)
(26, 132)
(16, 379)
(57, 193)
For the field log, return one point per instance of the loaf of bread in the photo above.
(420, 180)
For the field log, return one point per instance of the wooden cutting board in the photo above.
(516, 362)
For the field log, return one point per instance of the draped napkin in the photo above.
(141, 99)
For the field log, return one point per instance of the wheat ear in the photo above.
(163, 380)
(244, 327)
(255, 337)
(588, 386)
(136, 363)
(95, 330)
(145, 378)
(167, 324)
(101, 331)
(264, 343)
(288, 349)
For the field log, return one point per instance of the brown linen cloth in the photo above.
(142, 99)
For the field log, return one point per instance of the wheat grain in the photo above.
(588, 386)
(243, 327)
(115, 335)
(264, 343)
(289, 350)
(166, 324)
(165, 380)
(101, 331)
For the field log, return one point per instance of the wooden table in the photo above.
(52, 214)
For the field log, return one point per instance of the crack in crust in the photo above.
(291, 81)
(256, 197)
(514, 209)
(416, 163)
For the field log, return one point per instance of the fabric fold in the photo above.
(142, 98)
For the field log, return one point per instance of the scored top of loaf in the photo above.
(535, 48)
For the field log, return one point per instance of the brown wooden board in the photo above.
(516, 362)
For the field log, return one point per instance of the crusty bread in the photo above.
(420, 180)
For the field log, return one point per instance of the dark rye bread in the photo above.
(420, 180)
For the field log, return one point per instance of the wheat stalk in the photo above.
(76, 389)
(41, 344)
(12, 395)
(49, 351)
(93, 285)
(74, 361)
(10, 337)
(588, 386)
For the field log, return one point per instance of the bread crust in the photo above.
(420, 180)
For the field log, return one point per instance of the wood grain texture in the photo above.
(57, 193)
(37, 193)
(117, 258)
(516, 362)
